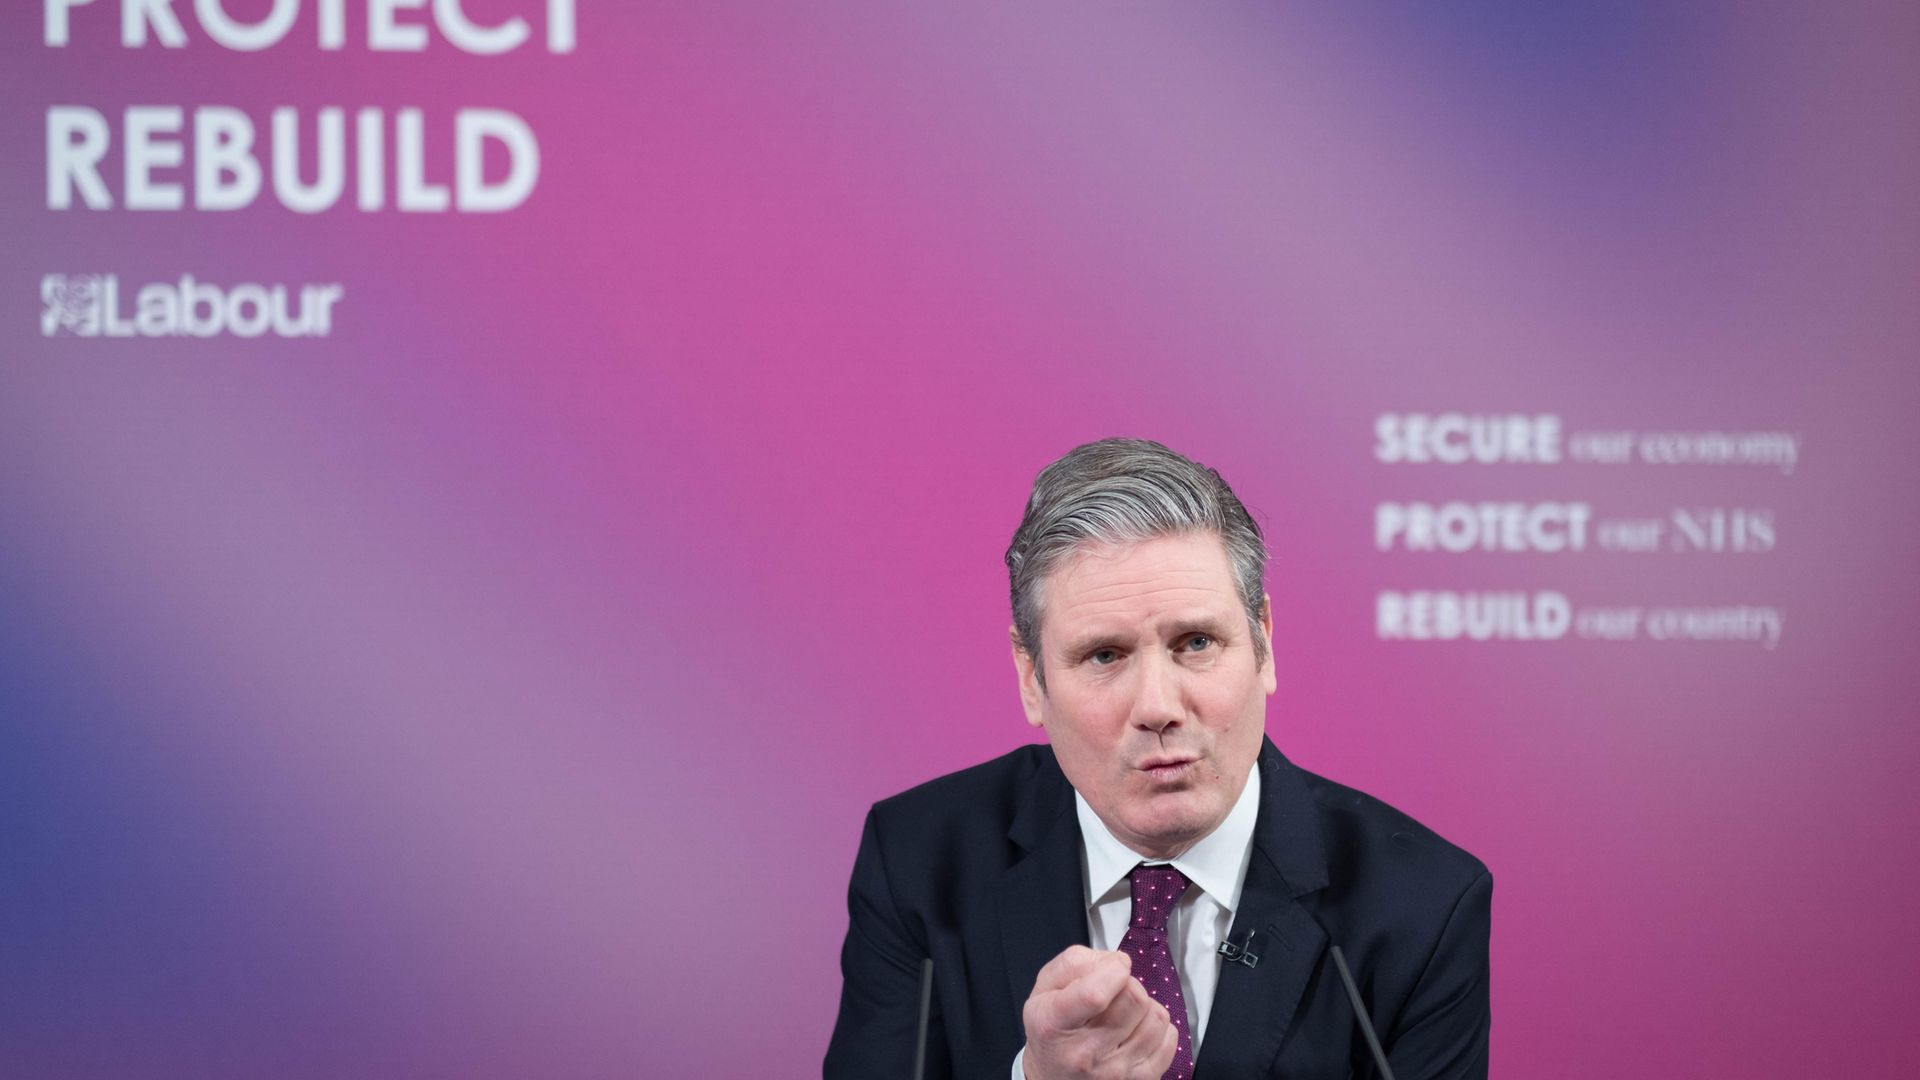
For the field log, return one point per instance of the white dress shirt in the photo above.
(1217, 868)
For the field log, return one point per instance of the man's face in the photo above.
(1155, 700)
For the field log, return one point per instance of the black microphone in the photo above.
(1360, 1013)
(926, 1012)
(1241, 953)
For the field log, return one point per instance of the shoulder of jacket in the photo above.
(1351, 817)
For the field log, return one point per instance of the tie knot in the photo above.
(1155, 890)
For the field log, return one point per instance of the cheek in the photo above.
(1224, 705)
(1236, 707)
(1089, 724)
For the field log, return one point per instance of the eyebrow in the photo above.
(1197, 624)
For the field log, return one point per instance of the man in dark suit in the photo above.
(1156, 893)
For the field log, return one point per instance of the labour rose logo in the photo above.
(73, 304)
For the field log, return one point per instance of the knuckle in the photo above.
(1041, 1024)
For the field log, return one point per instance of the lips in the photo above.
(1165, 769)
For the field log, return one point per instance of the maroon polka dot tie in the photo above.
(1155, 890)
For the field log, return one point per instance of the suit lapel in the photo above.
(1253, 1008)
(1041, 899)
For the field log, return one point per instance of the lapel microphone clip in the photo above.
(1241, 953)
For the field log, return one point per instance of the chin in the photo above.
(1182, 820)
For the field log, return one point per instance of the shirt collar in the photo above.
(1217, 864)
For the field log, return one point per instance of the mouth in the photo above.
(1165, 769)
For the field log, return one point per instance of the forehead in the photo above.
(1169, 576)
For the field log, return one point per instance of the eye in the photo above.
(1103, 657)
(1198, 643)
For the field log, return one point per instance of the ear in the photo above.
(1031, 696)
(1270, 677)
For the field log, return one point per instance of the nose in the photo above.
(1156, 700)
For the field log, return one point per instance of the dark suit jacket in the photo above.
(981, 870)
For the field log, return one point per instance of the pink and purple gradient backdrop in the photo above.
(495, 688)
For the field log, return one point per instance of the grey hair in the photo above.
(1122, 491)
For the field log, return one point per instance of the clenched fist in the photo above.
(1089, 1017)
